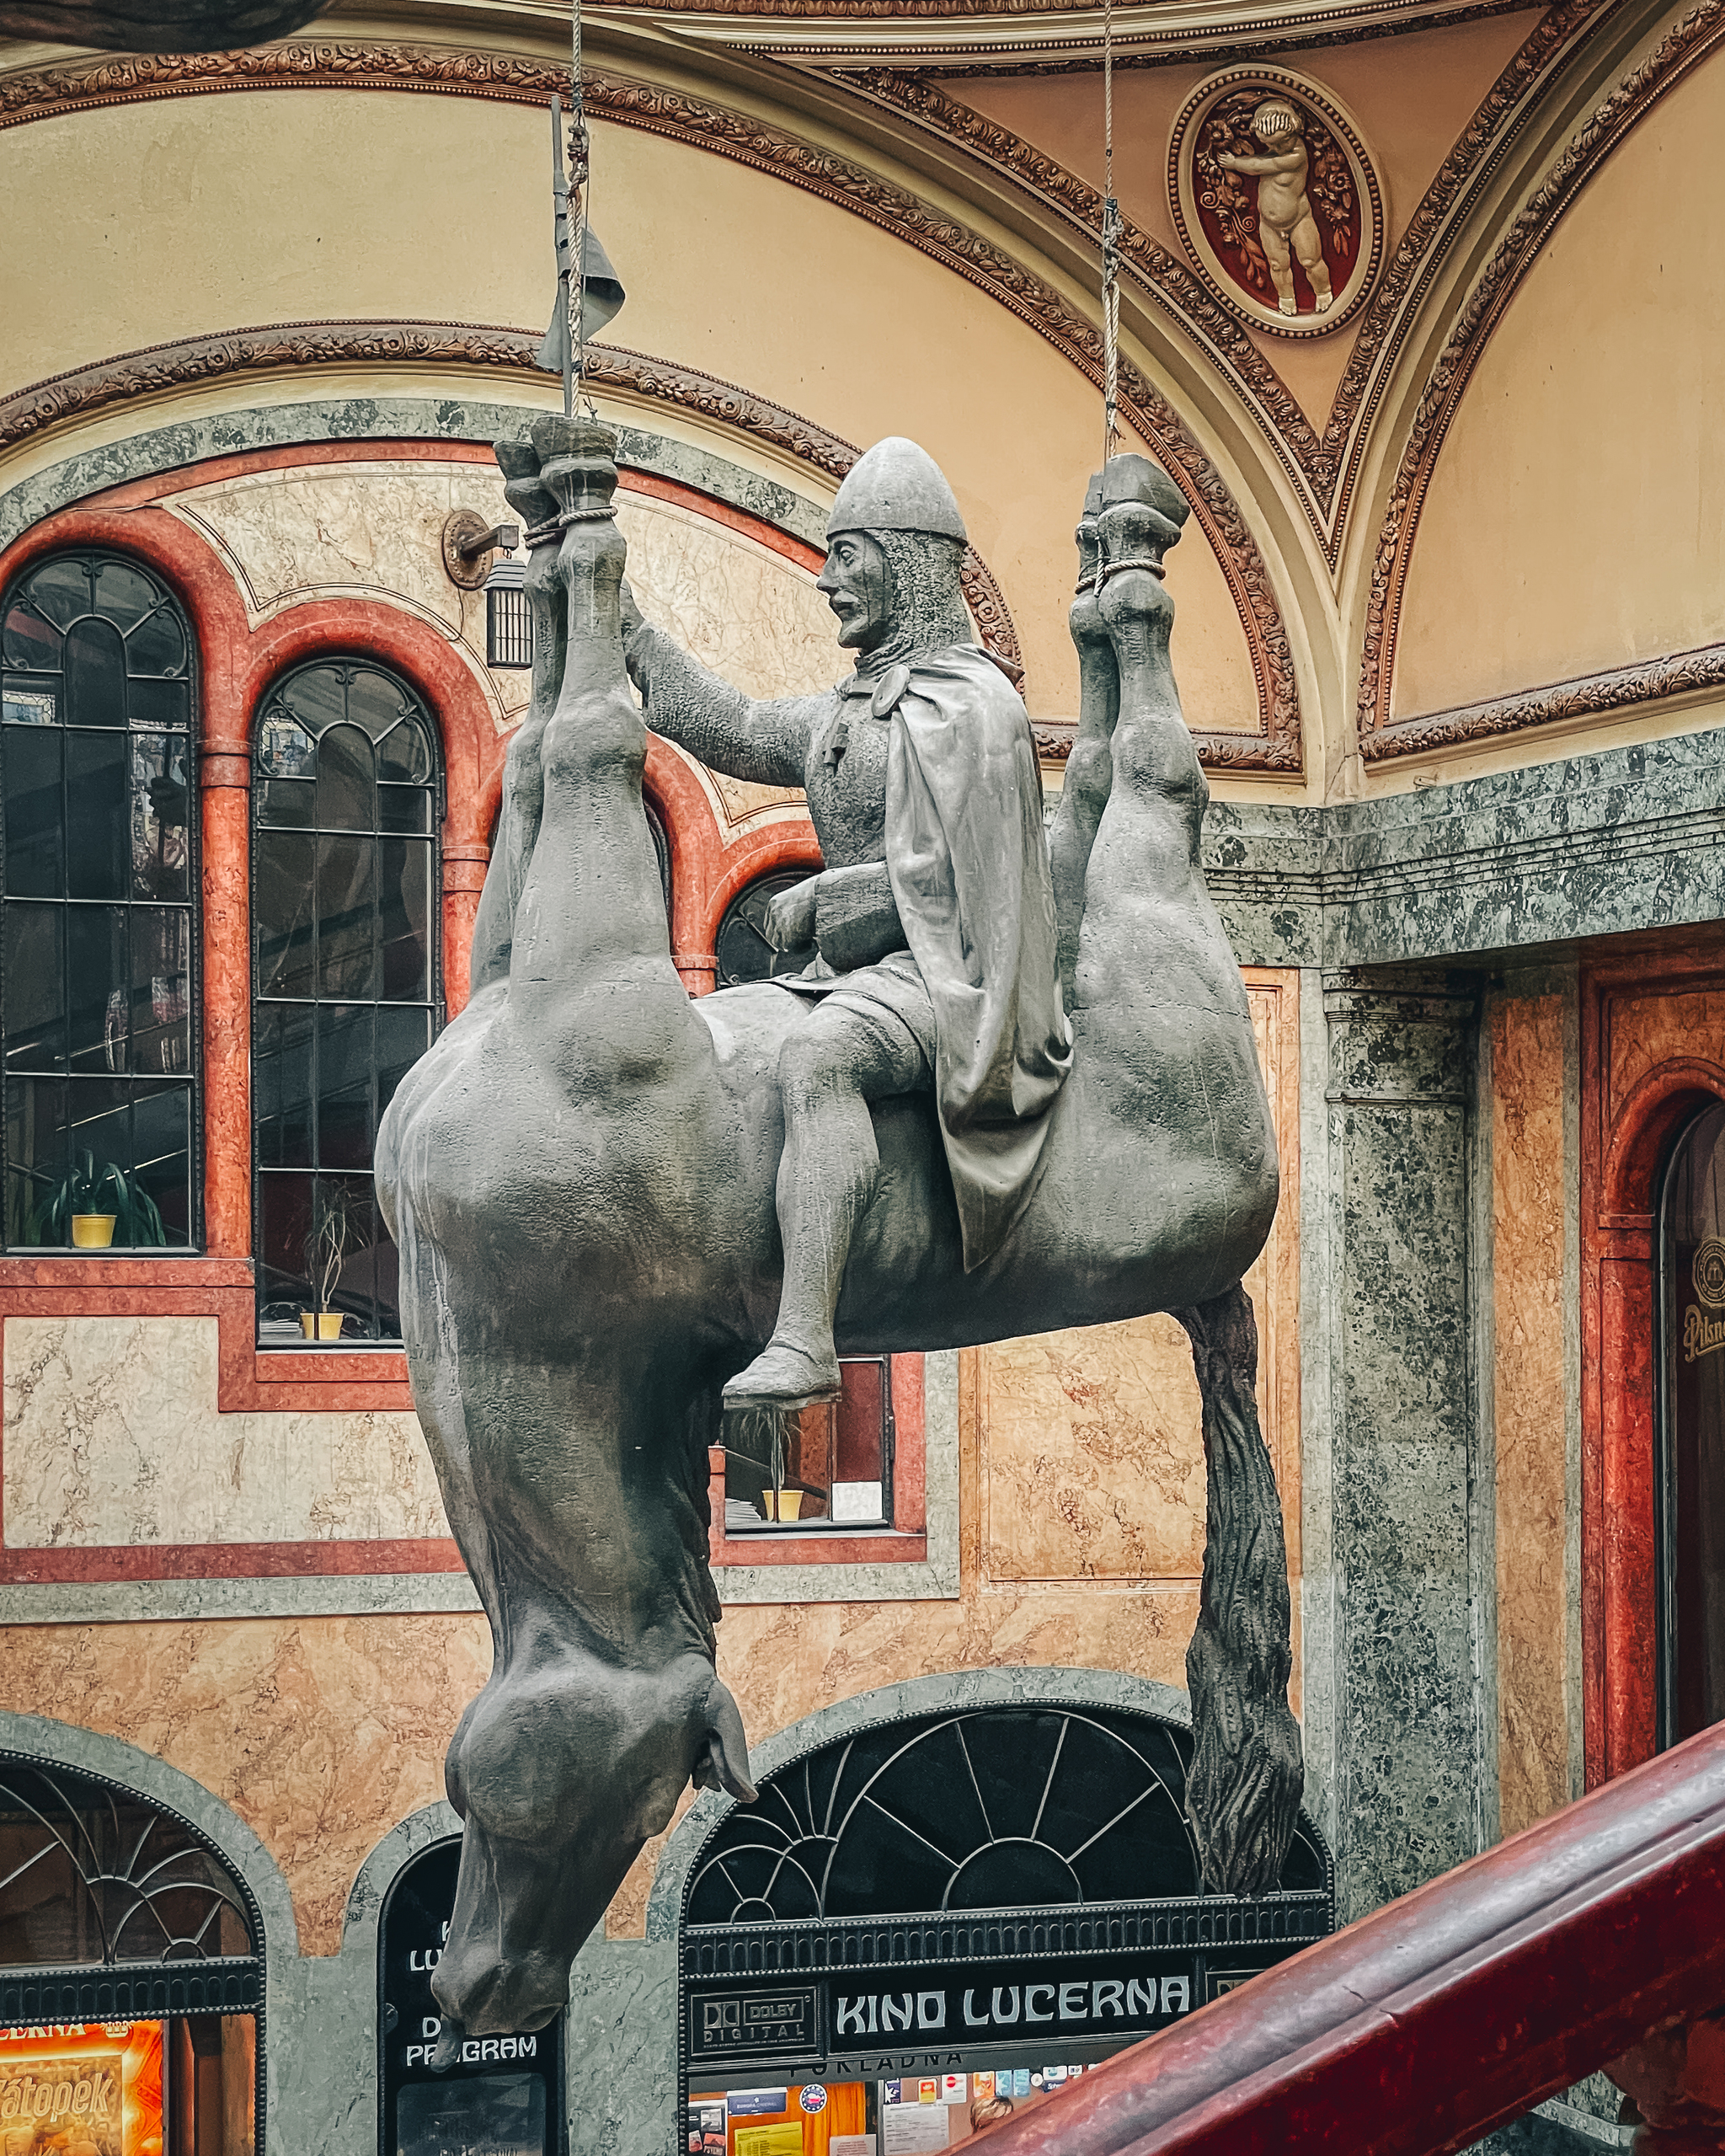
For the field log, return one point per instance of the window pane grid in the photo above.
(346, 800)
(98, 958)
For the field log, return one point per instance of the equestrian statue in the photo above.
(1015, 1090)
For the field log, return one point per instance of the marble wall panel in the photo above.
(1091, 1441)
(357, 531)
(111, 1435)
(321, 1733)
(623, 2048)
(1528, 1204)
(1408, 1747)
(1094, 1455)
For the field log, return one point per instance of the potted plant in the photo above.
(326, 1252)
(93, 1208)
(781, 1504)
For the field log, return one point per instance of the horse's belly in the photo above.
(545, 1185)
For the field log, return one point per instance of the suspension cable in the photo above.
(1110, 248)
(575, 393)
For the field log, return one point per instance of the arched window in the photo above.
(743, 951)
(1692, 1538)
(346, 982)
(131, 1972)
(99, 998)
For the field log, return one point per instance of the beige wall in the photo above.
(287, 206)
(1573, 522)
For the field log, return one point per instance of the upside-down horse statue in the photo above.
(1016, 1090)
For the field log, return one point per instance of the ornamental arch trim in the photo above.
(38, 1737)
(1382, 736)
(1628, 1128)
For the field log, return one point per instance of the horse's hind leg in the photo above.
(1242, 1795)
(1090, 766)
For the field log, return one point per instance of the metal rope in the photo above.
(575, 391)
(1110, 249)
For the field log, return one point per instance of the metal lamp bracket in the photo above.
(468, 544)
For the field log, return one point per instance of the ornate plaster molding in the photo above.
(1060, 43)
(1322, 465)
(1588, 696)
(1686, 45)
(1174, 283)
(161, 368)
(1027, 36)
(1320, 461)
(1277, 744)
(1275, 748)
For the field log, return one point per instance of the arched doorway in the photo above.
(131, 1978)
(1691, 1467)
(503, 2093)
(970, 1903)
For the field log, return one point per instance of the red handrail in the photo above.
(1446, 2014)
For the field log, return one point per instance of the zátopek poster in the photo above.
(83, 2090)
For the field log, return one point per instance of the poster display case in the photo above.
(500, 2096)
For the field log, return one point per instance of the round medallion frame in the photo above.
(1226, 279)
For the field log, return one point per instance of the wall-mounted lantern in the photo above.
(478, 557)
(509, 620)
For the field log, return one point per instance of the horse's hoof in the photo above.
(783, 1377)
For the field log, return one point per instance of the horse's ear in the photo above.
(722, 1761)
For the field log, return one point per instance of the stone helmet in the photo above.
(896, 487)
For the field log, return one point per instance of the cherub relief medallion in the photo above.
(1277, 200)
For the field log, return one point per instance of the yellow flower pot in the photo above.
(92, 1230)
(321, 1324)
(790, 1505)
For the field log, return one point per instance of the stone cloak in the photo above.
(968, 864)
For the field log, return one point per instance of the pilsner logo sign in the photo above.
(1704, 1327)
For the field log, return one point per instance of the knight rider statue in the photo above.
(933, 917)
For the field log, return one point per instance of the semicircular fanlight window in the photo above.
(1016, 1811)
(90, 1874)
(1004, 1808)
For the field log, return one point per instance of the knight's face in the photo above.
(858, 587)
